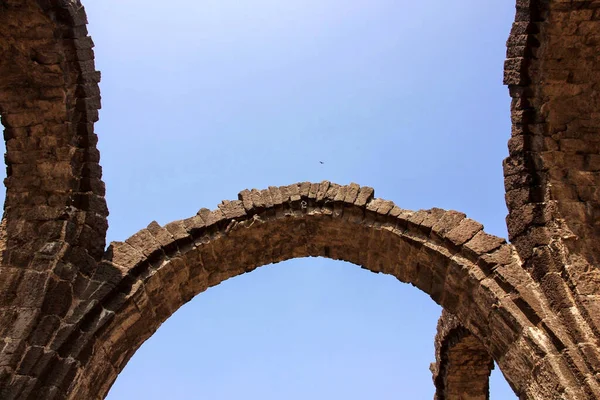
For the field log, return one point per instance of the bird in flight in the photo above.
(321, 162)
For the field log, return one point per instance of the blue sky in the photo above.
(202, 99)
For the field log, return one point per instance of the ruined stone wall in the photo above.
(552, 174)
(54, 221)
(553, 170)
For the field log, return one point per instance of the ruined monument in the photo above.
(72, 313)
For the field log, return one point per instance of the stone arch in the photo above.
(61, 311)
(476, 276)
(463, 365)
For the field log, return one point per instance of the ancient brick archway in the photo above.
(71, 314)
(143, 280)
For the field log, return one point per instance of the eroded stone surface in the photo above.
(551, 174)
(71, 315)
(54, 223)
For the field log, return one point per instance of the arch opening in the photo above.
(300, 328)
(310, 327)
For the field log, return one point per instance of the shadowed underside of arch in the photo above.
(476, 276)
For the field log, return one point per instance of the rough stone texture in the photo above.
(463, 365)
(54, 223)
(72, 314)
(552, 174)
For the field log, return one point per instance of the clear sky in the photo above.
(202, 99)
